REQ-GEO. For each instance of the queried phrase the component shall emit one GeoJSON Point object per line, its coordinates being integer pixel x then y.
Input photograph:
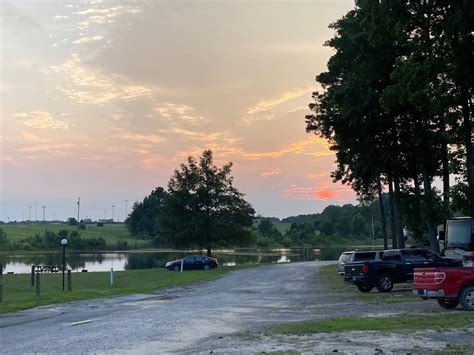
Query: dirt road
{"type": "Point", "coordinates": [222, 316]}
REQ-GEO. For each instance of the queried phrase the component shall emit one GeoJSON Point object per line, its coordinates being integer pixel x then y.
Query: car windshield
{"type": "Point", "coordinates": [459, 233]}
{"type": "Point", "coordinates": [364, 256]}
{"type": "Point", "coordinates": [345, 257]}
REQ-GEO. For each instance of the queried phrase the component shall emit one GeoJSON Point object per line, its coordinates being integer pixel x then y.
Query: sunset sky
{"type": "Point", "coordinates": [104, 99]}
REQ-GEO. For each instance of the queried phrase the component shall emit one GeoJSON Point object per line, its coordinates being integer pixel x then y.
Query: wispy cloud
{"type": "Point", "coordinates": [88, 39]}
{"type": "Point", "coordinates": [271, 173]}
{"type": "Point", "coordinates": [94, 86]}
{"type": "Point", "coordinates": [181, 112]}
{"type": "Point", "coordinates": [314, 146]}
{"type": "Point", "coordinates": [42, 119]}
{"type": "Point", "coordinates": [265, 105]}
{"type": "Point", "coordinates": [150, 138]}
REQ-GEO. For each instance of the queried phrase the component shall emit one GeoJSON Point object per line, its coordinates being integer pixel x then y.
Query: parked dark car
{"type": "Point", "coordinates": [357, 256]}
{"type": "Point", "coordinates": [396, 266]}
{"type": "Point", "coordinates": [192, 262]}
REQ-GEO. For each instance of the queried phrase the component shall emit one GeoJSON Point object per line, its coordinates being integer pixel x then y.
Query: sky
{"type": "Point", "coordinates": [103, 100]}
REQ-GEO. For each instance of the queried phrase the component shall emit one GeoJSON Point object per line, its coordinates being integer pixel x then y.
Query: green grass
{"type": "Point", "coordinates": [110, 232]}
{"type": "Point", "coordinates": [335, 283]}
{"type": "Point", "coordinates": [18, 293]}
{"type": "Point", "coordinates": [399, 323]}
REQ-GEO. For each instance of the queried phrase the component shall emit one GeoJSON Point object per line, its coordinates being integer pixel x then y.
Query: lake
{"type": "Point", "coordinates": [77, 262]}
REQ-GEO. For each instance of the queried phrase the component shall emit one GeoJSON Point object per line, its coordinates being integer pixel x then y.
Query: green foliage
{"type": "Point", "coordinates": [142, 221]}
{"type": "Point", "coordinates": [203, 209]}
{"type": "Point", "coordinates": [3, 237]}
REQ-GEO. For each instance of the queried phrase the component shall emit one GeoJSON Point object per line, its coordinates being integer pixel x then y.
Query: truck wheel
{"type": "Point", "coordinates": [364, 287]}
{"type": "Point", "coordinates": [466, 298]}
{"type": "Point", "coordinates": [176, 268]}
{"type": "Point", "coordinates": [448, 304]}
{"type": "Point", "coordinates": [384, 283]}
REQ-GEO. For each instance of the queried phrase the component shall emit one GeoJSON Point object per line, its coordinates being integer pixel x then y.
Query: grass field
{"type": "Point", "coordinates": [110, 232]}
{"type": "Point", "coordinates": [18, 293]}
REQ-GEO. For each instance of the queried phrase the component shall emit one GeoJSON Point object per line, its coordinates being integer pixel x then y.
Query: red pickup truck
{"type": "Point", "coordinates": [449, 286]}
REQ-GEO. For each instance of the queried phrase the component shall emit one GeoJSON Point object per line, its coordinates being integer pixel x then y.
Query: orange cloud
{"type": "Point", "coordinates": [340, 193]}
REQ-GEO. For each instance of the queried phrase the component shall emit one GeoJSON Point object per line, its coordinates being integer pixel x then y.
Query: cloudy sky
{"type": "Point", "coordinates": [104, 99]}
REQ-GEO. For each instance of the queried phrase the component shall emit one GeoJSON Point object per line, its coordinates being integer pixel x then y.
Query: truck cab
{"type": "Point", "coordinates": [456, 239]}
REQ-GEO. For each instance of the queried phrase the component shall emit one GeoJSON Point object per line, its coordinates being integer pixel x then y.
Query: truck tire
{"type": "Point", "coordinates": [364, 287]}
{"type": "Point", "coordinates": [448, 304]}
{"type": "Point", "coordinates": [384, 283]}
{"type": "Point", "coordinates": [466, 298]}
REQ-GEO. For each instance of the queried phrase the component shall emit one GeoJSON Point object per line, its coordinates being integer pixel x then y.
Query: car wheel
{"type": "Point", "coordinates": [176, 268]}
{"type": "Point", "coordinates": [384, 283]}
{"type": "Point", "coordinates": [448, 304]}
{"type": "Point", "coordinates": [206, 267]}
{"type": "Point", "coordinates": [364, 287]}
{"type": "Point", "coordinates": [466, 298]}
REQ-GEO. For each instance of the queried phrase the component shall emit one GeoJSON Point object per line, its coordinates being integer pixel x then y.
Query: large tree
{"type": "Point", "coordinates": [203, 209]}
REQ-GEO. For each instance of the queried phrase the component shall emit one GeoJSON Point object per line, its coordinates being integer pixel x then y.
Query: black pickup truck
{"type": "Point", "coordinates": [396, 266]}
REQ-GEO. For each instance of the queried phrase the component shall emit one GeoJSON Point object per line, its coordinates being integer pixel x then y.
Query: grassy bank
{"type": "Point", "coordinates": [112, 233]}
{"type": "Point", "coordinates": [400, 323]}
{"type": "Point", "coordinates": [18, 293]}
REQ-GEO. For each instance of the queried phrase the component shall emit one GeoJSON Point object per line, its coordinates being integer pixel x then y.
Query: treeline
{"type": "Point", "coordinates": [334, 225]}
{"type": "Point", "coordinates": [52, 240]}
{"type": "Point", "coordinates": [396, 107]}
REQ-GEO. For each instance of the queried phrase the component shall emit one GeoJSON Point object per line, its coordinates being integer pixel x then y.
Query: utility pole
{"type": "Point", "coordinates": [36, 215]}
{"type": "Point", "coordinates": [78, 208]}
{"type": "Point", "coordinates": [126, 210]}
{"type": "Point", "coordinates": [29, 214]}
{"type": "Point", "coordinates": [44, 208]}
{"type": "Point", "coordinates": [113, 212]}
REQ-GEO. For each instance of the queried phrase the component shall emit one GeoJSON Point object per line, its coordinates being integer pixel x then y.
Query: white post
{"type": "Point", "coordinates": [111, 276]}
{"type": "Point", "coordinates": [182, 264]}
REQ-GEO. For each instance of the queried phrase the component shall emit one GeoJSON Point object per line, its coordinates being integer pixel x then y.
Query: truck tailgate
{"type": "Point", "coordinates": [353, 269]}
{"type": "Point", "coordinates": [425, 278]}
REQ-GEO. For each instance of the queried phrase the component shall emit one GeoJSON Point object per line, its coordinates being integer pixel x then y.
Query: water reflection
{"type": "Point", "coordinates": [148, 260]}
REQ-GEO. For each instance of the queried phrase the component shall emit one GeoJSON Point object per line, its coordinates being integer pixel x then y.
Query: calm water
{"type": "Point", "coordinates": [148, 260]}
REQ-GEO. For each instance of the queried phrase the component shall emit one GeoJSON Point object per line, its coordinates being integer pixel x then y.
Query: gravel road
{"type": "Point", "coordinates": [221, 316]}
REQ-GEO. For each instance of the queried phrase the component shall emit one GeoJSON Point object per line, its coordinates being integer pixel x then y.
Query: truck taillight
{"type": "Point", "coordinates": [439, 277]}
{"type": "Point", "coordinates": [365, 268]}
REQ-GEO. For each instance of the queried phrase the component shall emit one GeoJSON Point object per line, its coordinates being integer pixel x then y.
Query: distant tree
{"type": "Point", "coordinates": [72, 221]}
{"type": "Point", "coordinates": [203, 209]}
{"type": "Point", "coordinates": [268, 230]}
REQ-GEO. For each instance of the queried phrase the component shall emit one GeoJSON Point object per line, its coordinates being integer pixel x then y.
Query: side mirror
{"type": "Point", "coordinates": [441, 235]}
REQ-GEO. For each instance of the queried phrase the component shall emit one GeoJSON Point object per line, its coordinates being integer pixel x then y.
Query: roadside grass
{"type": "Point", "coordinates": [112, 233]}
{"type": "Point", "coordinates": [399, 323]}
{"type": "Point", "coordinates": [335, 283]}
{"type": "Point", "coordinates": [18, 294]}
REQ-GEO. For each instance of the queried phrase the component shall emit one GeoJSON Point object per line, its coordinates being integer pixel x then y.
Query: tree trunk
{"type": "Point", "coordinates": [429, 200]}
{"type": "Point", "coordinates": [382, 214]}
{"type": "Point", "coordinates": [209, 254]}
{"type": "Point", "coordinates": [398, 223]}
{"type": "Point", "coordinates": [392, 214]}
{"type": "Point", "coordinates": [445, 162]}
{"type": "Point", "coordinates": [467, 129]}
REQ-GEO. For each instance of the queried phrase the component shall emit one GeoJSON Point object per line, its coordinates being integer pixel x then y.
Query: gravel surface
{"type": "Point", "coordinates": [221, 316]}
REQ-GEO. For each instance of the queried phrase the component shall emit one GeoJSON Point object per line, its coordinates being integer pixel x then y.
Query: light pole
{"type": "Point", "coordinates": [113, 206]}
{"type": "Point", "coordinates": [64, 243]}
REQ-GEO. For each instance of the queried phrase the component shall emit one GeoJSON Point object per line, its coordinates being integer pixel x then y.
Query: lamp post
{"type": "Point", "coordinates": [64, 243]}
